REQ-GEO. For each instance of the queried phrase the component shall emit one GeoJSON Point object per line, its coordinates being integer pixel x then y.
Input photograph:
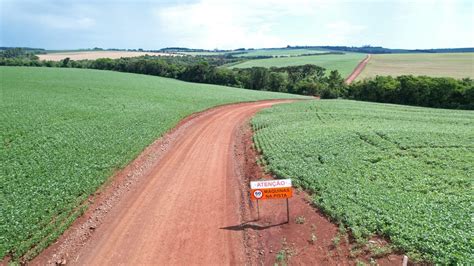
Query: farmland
{"type": "Point", "coordinates": [92, 55]}
{"type": "Point", "coordinates": [209, 53]}
{"type": "Point", "coordinates": [401, 172]}
{"type": "Point", "coordinates": [344, 63]}
{"type": "Point", "coordinates": [65, 131]}
{"type": "Point", "coordinates": [456, 65]}
{"type": "Point", "coordinates": [280, 52]}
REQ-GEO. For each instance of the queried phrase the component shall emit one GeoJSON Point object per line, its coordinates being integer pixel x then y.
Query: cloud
{"type": "Point", "coordinates": [63, 22]}
{"type": "Point", "coordinates": [223, 24]}
{"type": "Point", "coordinates": [227, 24]}
{"type": "Point", "coordinates": [342, 31]}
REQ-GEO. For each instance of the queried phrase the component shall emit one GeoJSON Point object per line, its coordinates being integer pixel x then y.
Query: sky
{"type": "Point", "coordinates": [231, 24]}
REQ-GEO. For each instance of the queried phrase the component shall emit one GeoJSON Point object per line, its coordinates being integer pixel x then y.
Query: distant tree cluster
{"type": "Point", "coordinates": [419, 91]}
{"type": "Point", "coordinates": [18, 54]}
{"type": "Point", "coordinates": [368, 49]}
{"type": "Point", "coordinates": [305, 79]}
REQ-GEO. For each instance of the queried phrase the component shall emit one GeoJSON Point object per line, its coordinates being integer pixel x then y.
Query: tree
{"type": "Point", "coordinates": [306, 87]}
{"type": "Point", "coordinates": [335, 85]}
{"type": "Point", "coordinates": [196, 73]}
{"type": "Point", "coordinates": [277, 82]}
{"type": "Point", "coordinates": [65, 62]}
{"type": "Point", "coordinates": [259, 77]}
{"type": "Point", "coordinates": [223, 76]}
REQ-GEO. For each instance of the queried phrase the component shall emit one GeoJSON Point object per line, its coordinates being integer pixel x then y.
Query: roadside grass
{"type": "Point", "coordinates": [300, 220]}
{"type": "Point", "coordinates": [65, 131]}
{"type": "Point", "coordinates": [283, 256]}
{"type": "Point", "coordinates": [456, 65]}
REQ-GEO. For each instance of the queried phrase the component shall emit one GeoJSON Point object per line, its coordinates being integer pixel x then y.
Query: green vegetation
{"type": "Point", "coordinates": [65, 131]}
{"type": "Point", "coordinates": [300, 220]}
{"type": "Point", "coordinates": [419, 91]}
{"type": "Point", "coordinates": [402, 172]}
{"type": "Point", "coordinates": [305, 79]}
{"type": "Point", "coordinates": [276, 52]}
{"type": "Point", "coordinates": [279, 52]}
{"type": "Point", "coordinates": [26, 54]}
{"type": "Point", "coordinates": [344, 63]}
{"type": "Point", "coordinates": [456, 65]}
{"type": "Point", "coordinates": [204, 53]}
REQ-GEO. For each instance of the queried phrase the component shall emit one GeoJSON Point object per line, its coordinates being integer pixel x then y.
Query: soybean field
{"type": "Point", "coordinates": [65, 131]}
{"type": "Point", "coordinates": [404, 173]}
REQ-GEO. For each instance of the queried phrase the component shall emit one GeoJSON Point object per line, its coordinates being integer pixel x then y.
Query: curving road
{"type": "Point", "coordinates": [175, 216]}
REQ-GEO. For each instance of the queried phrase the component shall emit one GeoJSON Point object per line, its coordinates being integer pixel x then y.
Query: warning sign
{"type": "Point", "coordinates": [257, 193]}
{"type": "Point", "coordinates": [271, 193]}
{"type": "Point", "coordinates": [271, 189]}
{"type": "Point", "coordinates": [270, 183]}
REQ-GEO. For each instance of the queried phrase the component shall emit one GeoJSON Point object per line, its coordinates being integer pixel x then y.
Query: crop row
{"type": "Point", "coordinates": [404, 173]}
{"type": "Point", "coordinates": [65, 131]}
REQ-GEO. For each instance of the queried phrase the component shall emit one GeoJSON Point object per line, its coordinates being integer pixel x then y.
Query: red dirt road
{"type": "Point", "coordinates": [184, 201]}
{"type": "Point", "coordinates": [358, 70]}
{"type": "Point", "coordinates": [177, 214]}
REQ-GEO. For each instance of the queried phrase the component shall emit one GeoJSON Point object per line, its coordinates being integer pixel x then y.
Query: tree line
{"type": "Point", "coordinates": [305, 79]}
{"type": "Point", "coordinates": [419, 91]}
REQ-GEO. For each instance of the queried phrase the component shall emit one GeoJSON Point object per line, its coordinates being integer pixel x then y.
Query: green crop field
{"type": "Point", "coordinates": [280, 52]}
{"type": "Point", "coordinates": [344, 63]}
{"type": "Point", "coordinates": [203, 53]}
{"type": "Point", "coordinates": [456, 65]}
{"type": "Point", "coordinates": [263, 52]}
{"type": "Point", "coordinates": [65, 131]}
{"type": "Point", "coordinates": [405, 173]}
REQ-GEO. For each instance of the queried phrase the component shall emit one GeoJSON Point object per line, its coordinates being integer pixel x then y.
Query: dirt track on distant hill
{"type": "Point", "coordinates": [357, 70]}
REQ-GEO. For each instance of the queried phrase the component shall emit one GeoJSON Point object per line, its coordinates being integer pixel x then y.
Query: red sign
{"type": "Point", "coordinates": [271, 189]}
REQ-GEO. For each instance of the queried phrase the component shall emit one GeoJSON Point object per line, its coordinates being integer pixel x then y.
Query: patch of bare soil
{"type": "Point", "coordinates": [92, 55]}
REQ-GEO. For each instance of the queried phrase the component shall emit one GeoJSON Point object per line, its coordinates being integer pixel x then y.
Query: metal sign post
{"type": "Point", "coordinates": [258, 212]}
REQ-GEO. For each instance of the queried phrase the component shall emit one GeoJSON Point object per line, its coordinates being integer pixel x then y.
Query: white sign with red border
{"type": "Point", "coordinates": [278, 183]}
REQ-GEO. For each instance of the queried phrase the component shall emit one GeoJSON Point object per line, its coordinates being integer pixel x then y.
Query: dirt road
{"type": "Point", "coordinates": [358, 70]}
{"type": "Point", "coordinates": [176, 216]}
{"type": "Point", "coordinates": [184, 201]}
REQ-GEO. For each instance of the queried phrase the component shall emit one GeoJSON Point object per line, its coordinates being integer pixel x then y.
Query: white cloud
{"type": "Point", "coordinates": [63, 22]}
{"type": "Point", "coordinates": [342, 31]}
{"type": "Point", "coordinates": [232, 24]}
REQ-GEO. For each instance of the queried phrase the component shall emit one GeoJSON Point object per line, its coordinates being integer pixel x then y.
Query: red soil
{"type": "Point", "coordinates": [185, 200]}
{"type": "Point", "coordinates": [358, 70]}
